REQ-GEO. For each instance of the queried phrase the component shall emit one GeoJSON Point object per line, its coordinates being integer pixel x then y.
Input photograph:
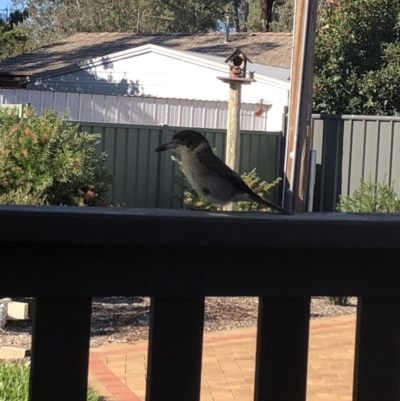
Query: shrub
{"type": "Point", "coordinates": [46, 160]}
{"type": "Point", "coordinates": [14, 382]}
{"type": "Point", "coordinates": [371, 198]}
{"type": "Point", "coordinates": [343, 301]}
{"type": "Point", "coordinates": [197, 202]}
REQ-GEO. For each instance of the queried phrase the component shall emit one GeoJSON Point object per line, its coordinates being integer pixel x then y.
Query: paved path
{"type": "Point", "coordinates": [117, 372]}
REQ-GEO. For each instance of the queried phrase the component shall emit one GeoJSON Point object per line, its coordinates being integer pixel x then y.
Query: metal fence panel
{"type": "Point", "coordinates": [143, 178]}
{"type": "Point", "coordinates": [350, 148]}
{"type": "Point", "coordinates": [138, 110]}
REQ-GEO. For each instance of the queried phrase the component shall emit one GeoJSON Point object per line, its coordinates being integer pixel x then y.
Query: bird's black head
{"type": "Point", "coordinates": [187, 138]}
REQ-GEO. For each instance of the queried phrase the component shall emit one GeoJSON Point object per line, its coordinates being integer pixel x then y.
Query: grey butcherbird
{"type": "Point", "coordinates": [209, 175]}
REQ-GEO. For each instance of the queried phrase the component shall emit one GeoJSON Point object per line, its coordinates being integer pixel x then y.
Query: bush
{"type": "Point", "coordinates": [14, 382]}
{"type": "Point", "coordinates": [197, 202]}
{"type": "Point", "coordinates": [371, 198]}
{"type": "Point", "coordinates": [46, 160]}
{"type": "Point", "coordinates": [342, 301]}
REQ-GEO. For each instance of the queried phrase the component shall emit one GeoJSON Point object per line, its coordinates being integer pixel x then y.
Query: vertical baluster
{"type": "Point", "coordinates": [377, 357]}
{"type": "Point", "coordinates": [282, 349]}
{"type": "Point", "coordinates": [60, 349]}
{"type": "Point", "coordinates": [175, 349]}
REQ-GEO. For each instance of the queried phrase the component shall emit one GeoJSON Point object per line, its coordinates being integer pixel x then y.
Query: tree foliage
{"type": "Point", "coordinates": [357, 63]}
{"type": "Point", "coordinates": [51, 19]}
{"type": "Point", "coordinates": [14, 37]}
{"type": "Point", "coordinates": [46, 160]}
{"type": "Point", "coordinates": [283, 16]}
{"type": "Point", "coordinates": [262, 15]}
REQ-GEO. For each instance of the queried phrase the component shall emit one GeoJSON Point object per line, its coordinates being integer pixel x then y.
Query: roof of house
{"type": "Point", "coordinates": [271, 48]}
{"type": "Point", "coordinates": [279, 73]}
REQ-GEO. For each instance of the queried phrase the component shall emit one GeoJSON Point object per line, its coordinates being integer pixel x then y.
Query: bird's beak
{"type": "Point", "coordinates": [167, 146]}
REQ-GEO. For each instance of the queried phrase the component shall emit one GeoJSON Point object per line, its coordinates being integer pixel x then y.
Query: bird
{"type": "Point", "coordinates": [208, 174]}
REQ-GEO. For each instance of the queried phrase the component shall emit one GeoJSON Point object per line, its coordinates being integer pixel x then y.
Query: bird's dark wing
{"type": "Point", "coordinates": [216, 166]}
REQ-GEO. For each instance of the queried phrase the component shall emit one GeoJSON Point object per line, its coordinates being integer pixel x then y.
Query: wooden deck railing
{"type": "Point", "coordinates": [65, 256]}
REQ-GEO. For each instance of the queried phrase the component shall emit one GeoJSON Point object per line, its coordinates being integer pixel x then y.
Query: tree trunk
{"type": "Point", "coordinates": [245, 13]}
{"type": "Point", "coordinates": [236, 15]}
{"type": "Point", "coordinates": [266, 14]}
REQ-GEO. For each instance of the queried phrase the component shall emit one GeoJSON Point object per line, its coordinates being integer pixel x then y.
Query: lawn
{"type": "Point", "coordinates": [14, 382]}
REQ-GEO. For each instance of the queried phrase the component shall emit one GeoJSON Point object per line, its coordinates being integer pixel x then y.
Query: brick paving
{"type": "Point", "coordinates": [117, 372]}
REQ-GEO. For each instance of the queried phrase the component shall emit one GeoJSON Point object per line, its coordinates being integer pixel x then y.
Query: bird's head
{"type": "Point", "coordinates": [186, 140]}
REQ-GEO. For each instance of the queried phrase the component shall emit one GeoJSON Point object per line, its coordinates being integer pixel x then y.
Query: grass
{"type": "Point", "coordinates": [14, 382]}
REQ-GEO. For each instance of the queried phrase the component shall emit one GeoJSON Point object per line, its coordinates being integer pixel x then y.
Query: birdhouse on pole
{"type": "Point", "coordinates": [238, 68]}
{"type": "Point", "coordinates": [237, 64]}
{"type": "Point", "coordinates": [238, 76]}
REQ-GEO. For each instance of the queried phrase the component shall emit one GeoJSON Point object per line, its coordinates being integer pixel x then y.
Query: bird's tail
{"type": "Point", "coordinates": [271, 205]}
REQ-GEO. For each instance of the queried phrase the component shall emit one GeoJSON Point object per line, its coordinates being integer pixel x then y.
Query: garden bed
{"type": "Point", "coordinates": [125, 319]}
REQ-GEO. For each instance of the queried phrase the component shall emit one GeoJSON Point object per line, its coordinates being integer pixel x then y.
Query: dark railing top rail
{"type": "Point", "coordinates": [179, 228]}
{"type": "Point", "coordinates": [55, 251]}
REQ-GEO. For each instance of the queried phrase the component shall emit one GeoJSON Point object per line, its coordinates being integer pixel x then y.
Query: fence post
{"type": "Point", "coordinates": [161, 139]}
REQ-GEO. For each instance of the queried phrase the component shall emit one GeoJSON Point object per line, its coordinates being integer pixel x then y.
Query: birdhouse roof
{"type": "Point", "coordinates": [237, 52]}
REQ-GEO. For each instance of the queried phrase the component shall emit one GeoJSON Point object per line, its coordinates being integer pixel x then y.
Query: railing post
{"type": "Point", "coordinates": [282, 349]}
{"type": "Point", "coordinates": [60, 349]}
{"type": "Point", "coordinates": [175, 349]}
{"type": "Point", "coordinates": [377, 357]}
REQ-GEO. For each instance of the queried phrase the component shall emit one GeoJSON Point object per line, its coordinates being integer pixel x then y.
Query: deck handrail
{"type": "Point", "coordinates": [64, 256]}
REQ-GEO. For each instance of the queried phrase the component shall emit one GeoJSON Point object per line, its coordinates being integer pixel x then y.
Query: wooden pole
{"type": "Point", "coordinates": [233, 131]}
{"type": "Point", "coordinates": [233, 127]}
{"type": "Point", "coordinates": [300, 105]}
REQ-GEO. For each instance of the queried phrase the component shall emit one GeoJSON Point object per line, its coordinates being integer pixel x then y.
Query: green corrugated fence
{"type": "Point", "coordinates": [350, 148]}
{"type": "Point", "coordinates": [143, 178]}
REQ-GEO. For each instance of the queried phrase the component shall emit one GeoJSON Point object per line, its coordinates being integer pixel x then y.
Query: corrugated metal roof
{"type": "Point", "coordinates": [270, 48]}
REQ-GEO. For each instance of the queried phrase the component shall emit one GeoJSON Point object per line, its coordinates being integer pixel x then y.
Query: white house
{"type": "Point", "coordinates": [159, 76]}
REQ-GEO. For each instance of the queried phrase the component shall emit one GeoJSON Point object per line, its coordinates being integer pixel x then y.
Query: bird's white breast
{"type": "Point", "coordinates": [190, 168]}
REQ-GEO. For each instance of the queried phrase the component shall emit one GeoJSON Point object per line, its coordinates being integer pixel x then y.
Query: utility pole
{"type": "Point", "coordinates": [237, 77]}
{"type": "Point", "coordinates": [300, 106]}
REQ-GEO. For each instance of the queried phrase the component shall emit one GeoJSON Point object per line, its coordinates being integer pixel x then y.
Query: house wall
{"type": "Point", "coordinates": [142, 110]}
{"type": "Point", "coordinates": [165, 76]}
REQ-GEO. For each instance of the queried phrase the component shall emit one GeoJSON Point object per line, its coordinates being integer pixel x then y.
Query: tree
{"type": "Point", "coordinates": [14, 37]}
{"type": "Point", "coordinates": [357, 60]}
{"type": "Point", "coordinates": [282, 16]}
{"type": "Point", "coordinates": [262, 15]}
{"type": "Point", "coordinates": [52, 19]}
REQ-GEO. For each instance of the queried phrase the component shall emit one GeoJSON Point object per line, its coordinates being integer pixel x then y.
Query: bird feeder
{"type": "Point", "coordinates": [237, 68]}
{"type": "Point", "coordinates": [237, 77]}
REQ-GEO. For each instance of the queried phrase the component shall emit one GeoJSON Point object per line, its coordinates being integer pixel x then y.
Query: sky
{"type": "Point", "coordinates": [4, 3]}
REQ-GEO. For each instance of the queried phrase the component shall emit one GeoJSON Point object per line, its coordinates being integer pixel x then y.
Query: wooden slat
{"type": "Point", "coordinates": [175, 349]}
{"type": "Point", "coordinates": [60, 349]}
{"type": "Point", "coordinates": [377, 359]}
{"type": "Point", "coordinates": [282, 349]}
